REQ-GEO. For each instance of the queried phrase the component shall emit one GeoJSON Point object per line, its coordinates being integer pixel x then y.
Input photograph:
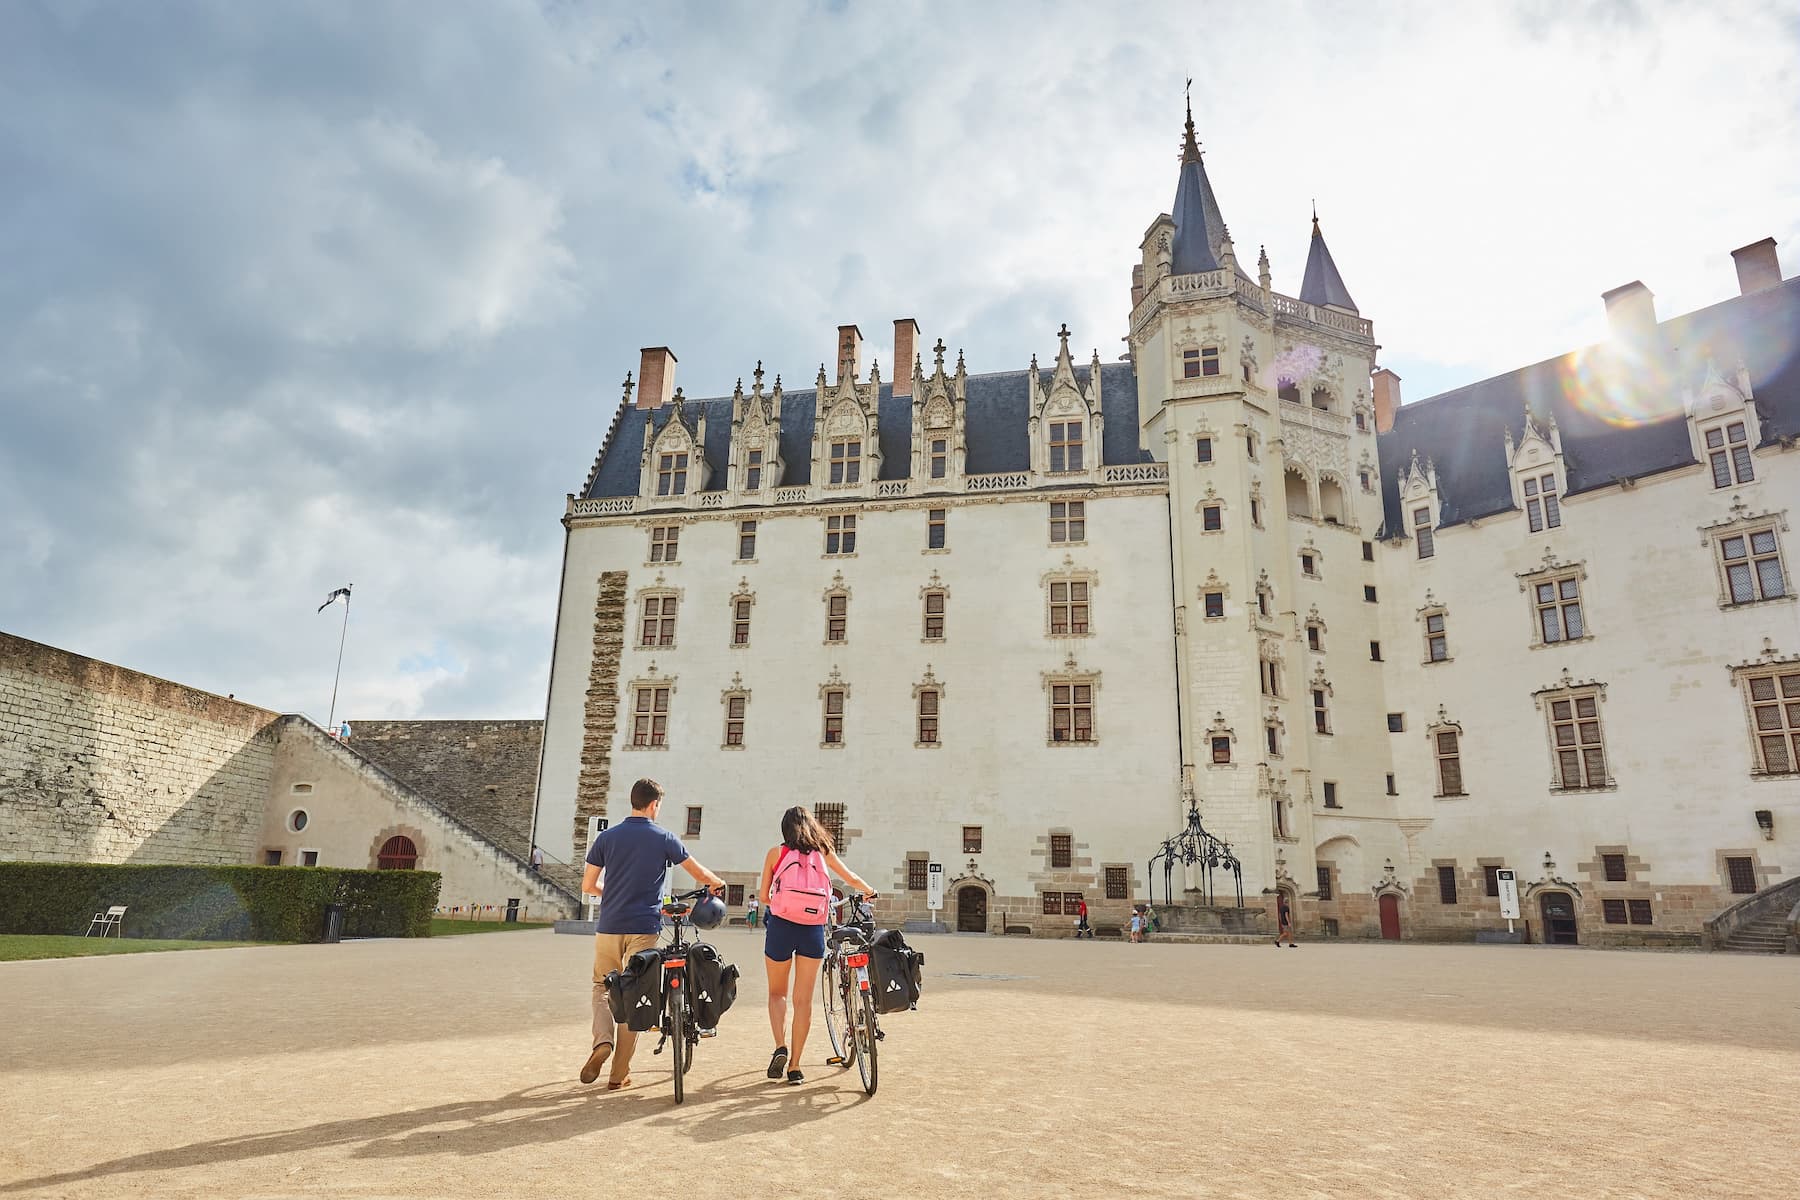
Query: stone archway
{"type": "Point", "coordinates": [971, 908]}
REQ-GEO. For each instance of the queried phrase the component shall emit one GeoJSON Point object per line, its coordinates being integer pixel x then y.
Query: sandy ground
{"type": "Point", "coordinates": [447, 1068]}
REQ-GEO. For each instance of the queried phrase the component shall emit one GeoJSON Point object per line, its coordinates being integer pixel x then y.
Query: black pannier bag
{"type": "Point", "coordinates": [896, 972]}
{"type": "Point", "coordinates": [635, 991]}
{"type": "Point", "coordinates": [712, 984]}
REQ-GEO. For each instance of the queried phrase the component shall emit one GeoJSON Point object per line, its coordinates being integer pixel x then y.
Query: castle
{"type": "Point", "coordinates": [1027, 625]}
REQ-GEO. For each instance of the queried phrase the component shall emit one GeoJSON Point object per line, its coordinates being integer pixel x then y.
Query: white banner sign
{"type": "Point", "coordinates": [1509, 893]}
{"type": "Point", "coordinates": [934, 886]}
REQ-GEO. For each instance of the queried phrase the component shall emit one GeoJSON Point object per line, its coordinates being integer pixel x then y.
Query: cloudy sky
{"type": "Point", "coordinates": [293, 295]}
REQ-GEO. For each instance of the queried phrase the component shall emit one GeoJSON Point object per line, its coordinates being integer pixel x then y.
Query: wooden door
{"type": "Point", "coordinates": [971, 910]}
{"type": "Point", "coordinates": [1559, 919]}
{"type": "Point", "coordinates": [1390, 918]}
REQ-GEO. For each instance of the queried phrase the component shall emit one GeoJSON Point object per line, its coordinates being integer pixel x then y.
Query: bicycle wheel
{"type": "Point", "coordinates": [678, 1036]}
{"type": "Point", "coordinates": [866, 1029]}
{"type": "Point", "coordinates": [836, 1019]}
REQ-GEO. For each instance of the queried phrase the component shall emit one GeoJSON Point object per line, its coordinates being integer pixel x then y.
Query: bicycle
{"type": "Point", "coordinates": [850, 1020]}
{"type": "Point", "coordinates": [678, 1021]}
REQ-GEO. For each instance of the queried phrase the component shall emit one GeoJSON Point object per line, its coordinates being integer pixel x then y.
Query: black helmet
{"type": "Point", "coordinates": [708, 913]}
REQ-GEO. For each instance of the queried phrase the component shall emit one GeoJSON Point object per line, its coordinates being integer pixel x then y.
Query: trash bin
{"type": "Point", "coordinates": [512, 910]}
{"type": "Point", "coordinates": [334, 922]}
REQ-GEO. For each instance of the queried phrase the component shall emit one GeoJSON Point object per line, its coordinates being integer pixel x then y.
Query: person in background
{"type": "Point", "coordinates": [750, 912]}
{"type": "Point", "coordinates": [1081, 920]}
{"type": "Point", "coordinates": [1284, 922]}
{"type": "Point", "coordinates": [1150, 920]}
{"type": "Point", "coordinates": [537, 859]}
{"type": "Point", "coordinates": [344, 731]}
{"type": "Point", "coordinates": [1137, 925]}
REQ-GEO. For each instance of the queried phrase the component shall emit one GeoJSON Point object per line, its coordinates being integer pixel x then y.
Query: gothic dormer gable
{"type": "Point", "coordinates": [1066, 418]}
{"type": "Point", "coordinates": [674, 461]}
{"type": "Point", "coordinates": [939, 410]}
{"type": "Point", "coordinates": [1538, 473]}
{"type": "Point", "coordinates": [846, 448]}
{"type": "Point", "coordinates": [1723, 425]}
{"type": "Point", "coordinates": [756, 465]}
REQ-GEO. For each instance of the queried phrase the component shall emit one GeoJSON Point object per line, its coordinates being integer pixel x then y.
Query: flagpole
{"type": "Point", "coordinates": [331, 719]}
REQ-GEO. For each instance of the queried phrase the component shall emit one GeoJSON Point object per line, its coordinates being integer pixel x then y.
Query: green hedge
{"type": "Point", "coordinates": [262, 904]}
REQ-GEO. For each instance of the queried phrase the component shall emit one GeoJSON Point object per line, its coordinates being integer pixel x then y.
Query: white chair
{"type": "Point", "coordinates": [112, 920]}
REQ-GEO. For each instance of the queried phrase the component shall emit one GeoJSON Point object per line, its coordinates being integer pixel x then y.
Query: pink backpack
{"type": "Point", "coordinates": [800, 891]}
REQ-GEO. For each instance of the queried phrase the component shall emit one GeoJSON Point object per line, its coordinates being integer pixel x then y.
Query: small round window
{"type": "Point", "coordinates": [297, 820]}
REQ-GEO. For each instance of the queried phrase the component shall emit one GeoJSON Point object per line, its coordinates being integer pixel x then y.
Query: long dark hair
{"type": "Point", "coordinates": [800, 830]}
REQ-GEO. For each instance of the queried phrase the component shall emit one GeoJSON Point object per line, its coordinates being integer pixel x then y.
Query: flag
{"type": "Point", "coordinates": [332, 599]}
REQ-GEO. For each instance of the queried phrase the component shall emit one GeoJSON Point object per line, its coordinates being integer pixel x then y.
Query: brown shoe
{"type": "Point", "coordinates": [619, 1083]}
{"type": "Point", "coordinates": [590, 1070]}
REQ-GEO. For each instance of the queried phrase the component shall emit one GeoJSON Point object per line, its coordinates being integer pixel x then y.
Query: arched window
{"type": "Point", "coordinates": [397, 854]}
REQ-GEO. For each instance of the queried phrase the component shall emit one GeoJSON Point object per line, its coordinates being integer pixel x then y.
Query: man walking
{"type": "Point", "coordinates": [626, 867]}
{"type": "Point", "coordinates": [537, 859]}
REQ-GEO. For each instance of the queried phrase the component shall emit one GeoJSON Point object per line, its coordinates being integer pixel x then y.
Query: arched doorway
{"type": "Point", "coordinates": [1558, 909]}
{"type": "Point", "coordinates": [397, 854]}
{"type": "Point", "coordinates": [971, 909]}
{"type": "Point", "coordinates": [1390, 917]}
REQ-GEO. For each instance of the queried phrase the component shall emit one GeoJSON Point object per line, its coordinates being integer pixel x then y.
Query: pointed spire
{"type": "Point", "coordinates": [1190, 149]}
{"type": "Point", "coordinates": [1199, 227]}
{"type": "Point", "coordinates": [1322, 284]}
{"type": "Point", "coordinates": [628, 388]}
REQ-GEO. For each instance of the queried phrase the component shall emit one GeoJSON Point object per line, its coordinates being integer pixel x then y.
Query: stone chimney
{"type": "Point", "coordinates": [849, 352]}
{"type": "Point", "coordinates": [656, 376]}
{"type": "Point", "coordinates": [1387, 398]}
{"type": "Point", "coordinates": [906, 336]}
{"type": "Point", "coordinates": [1631, 311]}
{"type": "Point", "coordinates": [1758, 266]}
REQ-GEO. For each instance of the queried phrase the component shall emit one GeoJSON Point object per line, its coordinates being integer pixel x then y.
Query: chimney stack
{"type": "Point", "coordinates": [656, 376]}
{"type": "Point", "coordinates": [906, 336]}
{"type": "Point", "coordinates": [849, 355]}
{"type": "Point", "coordinates": [1631, 311]}
{"type": "Point", "coordinates": [1387, 398]}
{"type": "Point", "coordinates": [1758, 266]}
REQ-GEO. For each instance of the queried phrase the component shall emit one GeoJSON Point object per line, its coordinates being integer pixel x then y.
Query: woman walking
{"type": "Point", "coordinates": [798, 894]}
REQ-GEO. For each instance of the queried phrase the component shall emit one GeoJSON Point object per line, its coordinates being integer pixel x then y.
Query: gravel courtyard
{"type": "Point", "coordinates": [447, 1068]}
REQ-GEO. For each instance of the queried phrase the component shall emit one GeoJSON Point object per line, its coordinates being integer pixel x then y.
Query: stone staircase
{"type": "Point", "coordinates": [1767, 936]}
{"type": "Point", "coordinates": [1766, 923]}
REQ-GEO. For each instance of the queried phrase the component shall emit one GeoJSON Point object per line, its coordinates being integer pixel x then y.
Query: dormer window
{"type": "Point", "coordinates": [1541, 508]}
{"type": "Point", "coordinates": [1728, 453]}
{"type": "Point", "coordinates": [1065, 446]}
{"type": "Point", "coordinates": [671, 475]}
{"type": "Point", "coordinates": [846, 461]}
{"type": "Point", "coordinates": [1422, 533]}
{"type": "Point", "coordinates": [940, 457]}
{"type": "Point", "coordinates": [753, 472]}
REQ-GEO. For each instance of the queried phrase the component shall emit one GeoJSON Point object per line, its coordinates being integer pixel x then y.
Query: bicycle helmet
{"type": "Point", "coordinates": [708, 913]}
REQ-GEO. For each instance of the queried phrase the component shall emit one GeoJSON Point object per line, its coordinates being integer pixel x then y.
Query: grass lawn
{"type": "Point", "coordinates": [444, 926]}
{"type": "Point", "coordinates": [17, 946]}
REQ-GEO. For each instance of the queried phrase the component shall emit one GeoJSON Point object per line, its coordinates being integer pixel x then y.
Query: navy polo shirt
{"type": "Point", "coordinates": [636, 855]}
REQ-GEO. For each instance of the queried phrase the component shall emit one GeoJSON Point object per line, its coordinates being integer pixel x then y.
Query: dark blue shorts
{"type": "Point", "coordinates": [785, 939]}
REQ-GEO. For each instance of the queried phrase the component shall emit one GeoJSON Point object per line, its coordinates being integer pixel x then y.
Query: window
{"type": "Point", "coordinates": [846, 461]}
{"type": "Point", "coordinates": [1068, 606]}
{"type": "Point", "coordinates": [840, 535]}
{"type": "Point", "coordinates": [1256, 512]}
{"type": "Point", "coordinates": [1775, 713]}
{"type": "Point", "coordinates": [971, 839]}
{"type": "Point", "coordinates": [397, 854]}
{"type": "Point", "coordinates": [1313, 639]}
{"type": "Point", "coordinates": [1446, 885]}
{"type": "Point", "coordinates": [746, 539]}
{"type": "Point", "coordinates": [1221, 749]}
{"type": "Point", "coordinates": [272, 858]}
{"type": "Point", "coordinates": [1331, 799]}
{"type": "Point", "coordinates": [934, 616]}
{"type": "Point", "coordinates": [1640, 912]}
{"type": "Point", "coordinates": [1272, 736]}
{"type": "Point", "coordinates": [1211, 518]}
{"type": "Point", "coordinates": [735, 707]}
{"type": "Point", "coordinates": [693, 820]}
{"type": "Point", "coordinates": [659, 621]}
{"type": "Point", "coordinates": [1613, 911]}
{"type": "Point", "coordinates": [1437, 642]}
{"type": "Point", "coordinates": [671, 475]}
{"type": "Point", "coordinates": [1250, 445]}
{"type": "Point", "coordinates": [834, 718]}
{"type": "Point", "coordinates": [1068, 521]}
{"type": "Point", "coordinates": [740, 621]}
{"type": "Point", "coordinates": [1268, 676]}
{"type": "Point", "coordinates": [940, 458]}
{"type": "Point", "coordinates": [1065, 446]}
{"type": "Point", "coordinates": [1368, 551]}
{"type": "Point", "coordinates": [753, 472]}
{"type": "Point", "coordinates": [928, 717]}
{"type": "Point", "coordinates": [1446, 746]}
{"type": "Point", "coordinates": [918, 870]}
{"type": "Point", "coordinates": [1490, 873]}
{"type": "Point", "coordinates": [1366, 478]}
{"type": "Point", "coordinates": [1362, 422]}
{"type": "Point", "coordinates": [1279, 815]}
{"type": "Point", "coordinates": [1541, 508]}
{"type": "Point", "coordinates": [1309, 564]}
{"type": "Point", "coordinates": [1287, 389]}
{"type": "Point", "coordinates": [1215, 604]}
{"type": "Point", "coordinates": [1072, 712]}
{"type": "Point", "coordinates": [1203, 449]}
{"type": "Point", "coordinates": [1374, 651]}
{"type": "Point", "coordinates": [1396, 722]}
{"type": "Point", "coordinates": [1369, 592]}
{"type": "Point", "coordinates": [1324, 876]}
{"type": "Point", "coordinates": [1618, 912]}
{"type": "Point", "coordinates": [1422, 533]}
{"type": "Point", "coordinates": [1321, 715]}
{"type": "Point", "coordinates": [1728, 452]}
{"type": "Point", "coordinates": [1190, 364]}
{"type": "Point", "coordinates": [650, 721]}
{"type": "Point", "coordinates": [1262, 601]}
{"type": "Point", "coordinates": [1575, 733]}
{"type": "Point", "coordinates": [831, 816]}
{"type": "Point", "coordinates": [309, 858]}
{"type": "Point", "coordinates": [1118, 886]}
{"type": "Point", "coordinates": [1391, 789]}
{"type": "Point", "coordinates": [1062, 853]}
{"type": "Point", "coordinates": [934, 528]}
{"type": "Point", "coordinates": [663, 541]}
{"type": "Point", "coordinates": [1053, 904]}
{"type": "Point", "coordinates": [1558, 605]}
{"type": "Point", "coordinates": [297, 820]}
{"type": "Point", "coordinates": [1752, 565]}
{"type": "Point", "coordinates": [1209, 360]}
{"type": "Point", "coordinates": [837, 617]}
{"type": "Point", "coordinates": [1614, 867]}
{"type": "Point", "coordinates": [734, 895]}
{"type": "Point", "coordinates": [1742, 872]}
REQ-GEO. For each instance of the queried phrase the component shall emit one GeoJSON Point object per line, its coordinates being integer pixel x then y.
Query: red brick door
{"type": "Point", "coordinates": [1390, 918]}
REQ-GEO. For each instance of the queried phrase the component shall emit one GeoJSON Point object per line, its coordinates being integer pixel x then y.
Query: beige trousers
{"type": "Point", "coordinates": [611, 950]}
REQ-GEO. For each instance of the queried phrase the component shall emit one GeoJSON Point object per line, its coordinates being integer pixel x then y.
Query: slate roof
{"type": "Point", "coordinates": [1199, 226]}
{"type": "Point", "coordinates": [1322, 284]}
{"type": "Point", "coordinates": [1463, 430]}
{"type": "Point", "coordinates": [996, 426]}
